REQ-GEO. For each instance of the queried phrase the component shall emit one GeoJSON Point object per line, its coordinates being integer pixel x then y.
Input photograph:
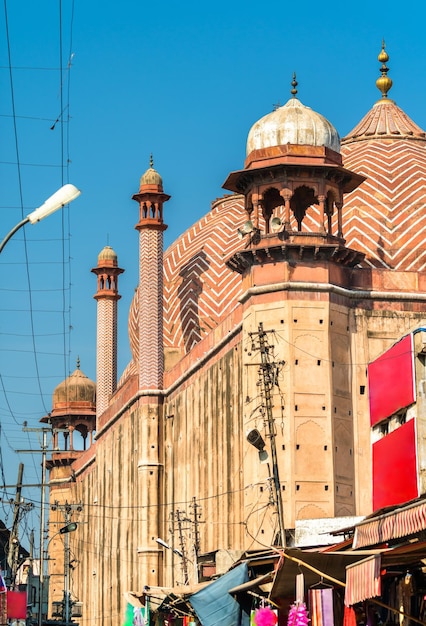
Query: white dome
{"type": "Point", "coordinates": [293, 123]}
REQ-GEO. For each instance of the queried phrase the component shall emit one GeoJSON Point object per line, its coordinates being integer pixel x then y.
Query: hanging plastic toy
{"type": "Point", "coordinates": [265, 617]}
{"type": "Point", "coordinates": [298, 615]}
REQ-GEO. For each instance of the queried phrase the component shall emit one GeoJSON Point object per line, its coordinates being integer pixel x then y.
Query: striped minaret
{"type": "Point", "coordinates": [151, 227]}
{"type": "Point", "coordinates": [107, 297]}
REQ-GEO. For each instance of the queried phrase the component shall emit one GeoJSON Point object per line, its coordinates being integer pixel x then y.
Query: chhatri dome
{"type": "Point", "coordinates": [73, 411]}
{"type": "Point", "coordinates": [293, 123]}
{"type": "Point", "coordinates": [77, 390]}
{"type": "Point", "coordinates": [107, 254]}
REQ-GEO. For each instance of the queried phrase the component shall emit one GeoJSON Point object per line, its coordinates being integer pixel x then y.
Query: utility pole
{"type": "Point", "coordinates": [269, 378]}
{"type": "Point", "coordinates": [182, 546]}
{"type": "Point", "coordinates": [13, 551]}
{"type": "Point", "coordinates": [196, 516]}
{"type": "Point", "coordinates": [19, 508]}
{"type": "Point", "coordinates": [45, 431]}
{"type": "Point", "coordinates": [67, 511]}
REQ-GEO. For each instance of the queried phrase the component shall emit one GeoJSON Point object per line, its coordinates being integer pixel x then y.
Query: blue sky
{"type": "Point", "coordinates": [184, 81]}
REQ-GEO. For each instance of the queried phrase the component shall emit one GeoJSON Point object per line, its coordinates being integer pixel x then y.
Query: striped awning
{"type": "Point", "coordinates": [363, 580]}
{"type": "Point", "coordinates": [400, 522]}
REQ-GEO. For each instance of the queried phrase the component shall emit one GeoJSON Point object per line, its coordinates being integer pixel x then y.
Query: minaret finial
{"type": "Point", "coordinates": [294, 84]}
{"type": "Point", "coordinates": [151, 161]}
{"type": "Point", "coordinates": [384, 83]}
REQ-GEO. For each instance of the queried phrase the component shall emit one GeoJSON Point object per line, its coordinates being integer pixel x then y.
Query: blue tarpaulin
{"type": "Point", "coordinates": [213, 604]}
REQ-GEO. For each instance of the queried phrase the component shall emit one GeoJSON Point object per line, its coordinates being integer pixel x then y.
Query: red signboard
{"type": "Point", "coordinates": [391, 380]}
{"type": "Point", "coordinates": [17, 604]}
{"type": "Point", "coordinates": [395, 467]}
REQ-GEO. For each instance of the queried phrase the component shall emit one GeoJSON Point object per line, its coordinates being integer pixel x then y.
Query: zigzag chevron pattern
{"type": "Point", "coordinates": [199, 289]}
{"type": "Point", "coordinates": [151, 365]}
{"type": "Point", "coordinates": [107, 337]}
{"type": "Point", "coordinates": [386, 215]}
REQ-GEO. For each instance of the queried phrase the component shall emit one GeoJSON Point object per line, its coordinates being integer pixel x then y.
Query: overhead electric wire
{"type": "Point", "coordinates": [68, 160]}
{"type": "Point", "coordinates": [65, 307]}
{"type": "Point", "coordinates": [32, 68]}
{"type": "Point", "coordinates": [61, 127]}
{"type": "Point", "coordinates": [16, 142]}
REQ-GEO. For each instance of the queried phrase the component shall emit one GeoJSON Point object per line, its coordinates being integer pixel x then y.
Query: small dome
{"type": "Point", "coordinates": [293, 123]}
{"type": "Point", "coordinates": [151, 176]}
{"type": "Point", "coordinates": [107, 254]}
{"type": "Point", "coordinates": [76, 388]}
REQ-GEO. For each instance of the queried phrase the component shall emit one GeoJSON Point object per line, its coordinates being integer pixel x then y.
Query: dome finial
{"type": "Point", "coordinates": [294, 84]}
{"type": "Point", "coordinates": [78, 362]}
{"type": "Point", "coordinates": [151, 160]}
{"type": "Point", "coordinates": [384, 83]}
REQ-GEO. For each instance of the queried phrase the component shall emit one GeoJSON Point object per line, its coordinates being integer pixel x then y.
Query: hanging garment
{"type": "Point", "coordinates": [321, 606]}
{"type": "Point", "coordinates": [349, 618]}
{"type": "Point", "coordinates": [300, 588]}
{"type": "Point", "coordinates": [136, 616]}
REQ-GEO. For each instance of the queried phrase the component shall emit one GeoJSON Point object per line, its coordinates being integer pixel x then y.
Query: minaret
{"type": "Point", "coordinates": [107, 297]}
{"type": "Point", "coordinates": [150, 367]}
{"type": "Point", "coordinates": [151, 227]}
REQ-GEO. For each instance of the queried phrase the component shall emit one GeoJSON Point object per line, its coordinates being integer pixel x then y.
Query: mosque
{"type": "Point", "coordinates": [243, 415]}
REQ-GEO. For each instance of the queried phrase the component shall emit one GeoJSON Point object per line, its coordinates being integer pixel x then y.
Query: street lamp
{"type": "Point", "coordinates": [182, 555]}
{"type": "Point", "coordinates": [162, 543]}
{"type": "Point", "coordinates": [64, 195]}
{"type": "Point", "coordinates": [69, 528]}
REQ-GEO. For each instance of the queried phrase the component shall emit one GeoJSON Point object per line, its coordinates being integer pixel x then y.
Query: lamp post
{"type": "Point", "coordinates": [66, 194]}
{"type": "Point", "coordinates": [63, 196]}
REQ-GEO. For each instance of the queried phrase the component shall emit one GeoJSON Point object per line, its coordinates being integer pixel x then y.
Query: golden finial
{"type": "Point", "coordinates": [151, 161]}
{"type": "Point", "coordinates": [294, 84]}
{"type": "Point", "coordinates": [384, 83]}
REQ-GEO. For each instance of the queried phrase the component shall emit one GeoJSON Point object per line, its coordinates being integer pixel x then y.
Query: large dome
{"type": "Point", "coordinates": [292, 123]}
{"type": "Point", "coordinates": [386, 215]}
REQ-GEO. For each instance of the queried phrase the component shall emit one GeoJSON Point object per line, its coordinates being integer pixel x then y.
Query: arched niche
{"type": "Point", "coordinates": [303, 197]}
